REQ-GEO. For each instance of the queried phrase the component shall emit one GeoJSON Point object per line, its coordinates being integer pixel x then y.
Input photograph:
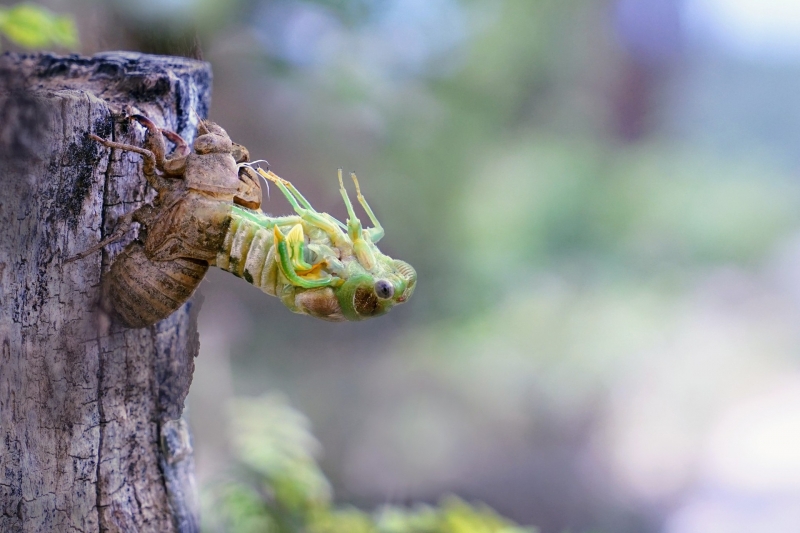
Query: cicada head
{"type": "Point", "coordinates": [373, 293]}
{"type": "Point", "coordinates": [333, 270]}
{"type": "Point", "coordinates": [357, 293]}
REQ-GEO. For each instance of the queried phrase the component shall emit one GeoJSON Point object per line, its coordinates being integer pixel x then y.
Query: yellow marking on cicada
{"type": "Point", "coordinates": [295, 242]}
{"type": "Point", "coordinates": [315, 272]}
{"type": "Point", "coordinates": [287, 265]}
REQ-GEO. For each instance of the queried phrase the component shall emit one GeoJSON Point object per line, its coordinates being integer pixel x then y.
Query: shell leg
{"type": "Point", "coordinates": [155, 141]}
{"type": "Point", "coordinates": [149, 168]}
{"type": "Point", "coordinates": [123, 225]}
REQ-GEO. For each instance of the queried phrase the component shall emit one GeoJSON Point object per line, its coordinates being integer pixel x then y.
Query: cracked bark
{"type": "Point", "coordinates": [91, 434]}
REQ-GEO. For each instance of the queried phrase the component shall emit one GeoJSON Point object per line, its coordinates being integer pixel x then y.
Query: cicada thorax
{"type": "Point", "coordinates": [193, 226]}
{"type": "Point", "coordinates": [212, 172]}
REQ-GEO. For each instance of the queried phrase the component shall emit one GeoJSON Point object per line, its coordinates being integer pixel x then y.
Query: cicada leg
{"type": "Point", "coordinates": [154, 142]}
{"type": "Point", "coordinates": [303, 208]}
{"type": "Point", "coordinates": [123, 225]}
{"type": "Point", "coordinates": [147, 155]}
{"type": "Point", "coordinates": [181, 146]}
{"type": "Point", "coordinates": [375, 233]}
{"type": "Point", "coordinates": [361, 248]}
{"type": "Point", "coordinates": [289, 250]}
{"type": "Point", "coordinates": [174, 166]}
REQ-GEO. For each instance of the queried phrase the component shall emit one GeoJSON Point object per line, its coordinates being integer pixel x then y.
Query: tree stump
{"type": "Point", "coordinates": [91, 435]}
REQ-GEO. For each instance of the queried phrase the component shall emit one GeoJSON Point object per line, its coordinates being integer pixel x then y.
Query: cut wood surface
{"type": "Point", "coordinates": [91, 434]}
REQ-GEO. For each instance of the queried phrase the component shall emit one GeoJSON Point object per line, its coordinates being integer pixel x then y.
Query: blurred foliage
{"type": "Point", "coordinates": [563, 266]}
{"type": "Point", "coordinates": [553, 255]}
{"type": "Point", "coordinates": [281, 489]}
{"type": "Point", "coordinates": [494, 163]}
{"type": "Point", "coordinates": [499, 157]}
{"type": "Point", "coordinates": [32, 26]}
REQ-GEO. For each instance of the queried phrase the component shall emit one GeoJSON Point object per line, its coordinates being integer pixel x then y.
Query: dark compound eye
{"type": "Point", "coordinates": [383, 289]}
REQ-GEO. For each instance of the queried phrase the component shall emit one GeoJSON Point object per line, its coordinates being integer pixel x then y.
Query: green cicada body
{"type": "Point", "coordinates": [206, 214]}
{"type": "Point", "coordinates": [311, 264]}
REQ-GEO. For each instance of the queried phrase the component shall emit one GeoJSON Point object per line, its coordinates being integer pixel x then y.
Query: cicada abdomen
{"type": "Point", "coordinates": [142, 291]}
{"type": "Point", "coordinates": [247, 252]}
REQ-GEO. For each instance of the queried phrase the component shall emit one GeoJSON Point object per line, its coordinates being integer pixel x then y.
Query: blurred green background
{"type": "Point", "coordinates": [602, 201]}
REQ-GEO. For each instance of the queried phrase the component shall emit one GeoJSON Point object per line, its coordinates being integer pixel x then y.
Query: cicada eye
{"type": "Point", "coordinates": [383, 289]}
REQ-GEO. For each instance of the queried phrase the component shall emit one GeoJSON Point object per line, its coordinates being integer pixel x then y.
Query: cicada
{"type": "Point", "coordinates": [206, 213]}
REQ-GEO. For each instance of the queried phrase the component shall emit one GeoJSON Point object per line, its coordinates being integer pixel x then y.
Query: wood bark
{"type": "Point", "coordinates": [91, 434]}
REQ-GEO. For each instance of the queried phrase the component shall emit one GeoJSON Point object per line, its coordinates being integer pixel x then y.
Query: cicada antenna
{"type": "Point", "coordinates": [202, 128]}
{"type": "Point", "coordinates": [256, 162]}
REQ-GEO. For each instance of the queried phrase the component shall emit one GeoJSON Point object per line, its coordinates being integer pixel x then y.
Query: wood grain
{"type": "Point", "coordinates": [91, 435]}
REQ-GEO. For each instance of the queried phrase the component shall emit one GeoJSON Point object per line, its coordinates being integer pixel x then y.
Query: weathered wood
{"type": "Point", "coordinates": [91, 435]}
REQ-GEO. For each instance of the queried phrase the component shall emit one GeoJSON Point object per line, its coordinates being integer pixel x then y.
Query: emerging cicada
{"type": "Point", "coordinates": [206, 214]}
